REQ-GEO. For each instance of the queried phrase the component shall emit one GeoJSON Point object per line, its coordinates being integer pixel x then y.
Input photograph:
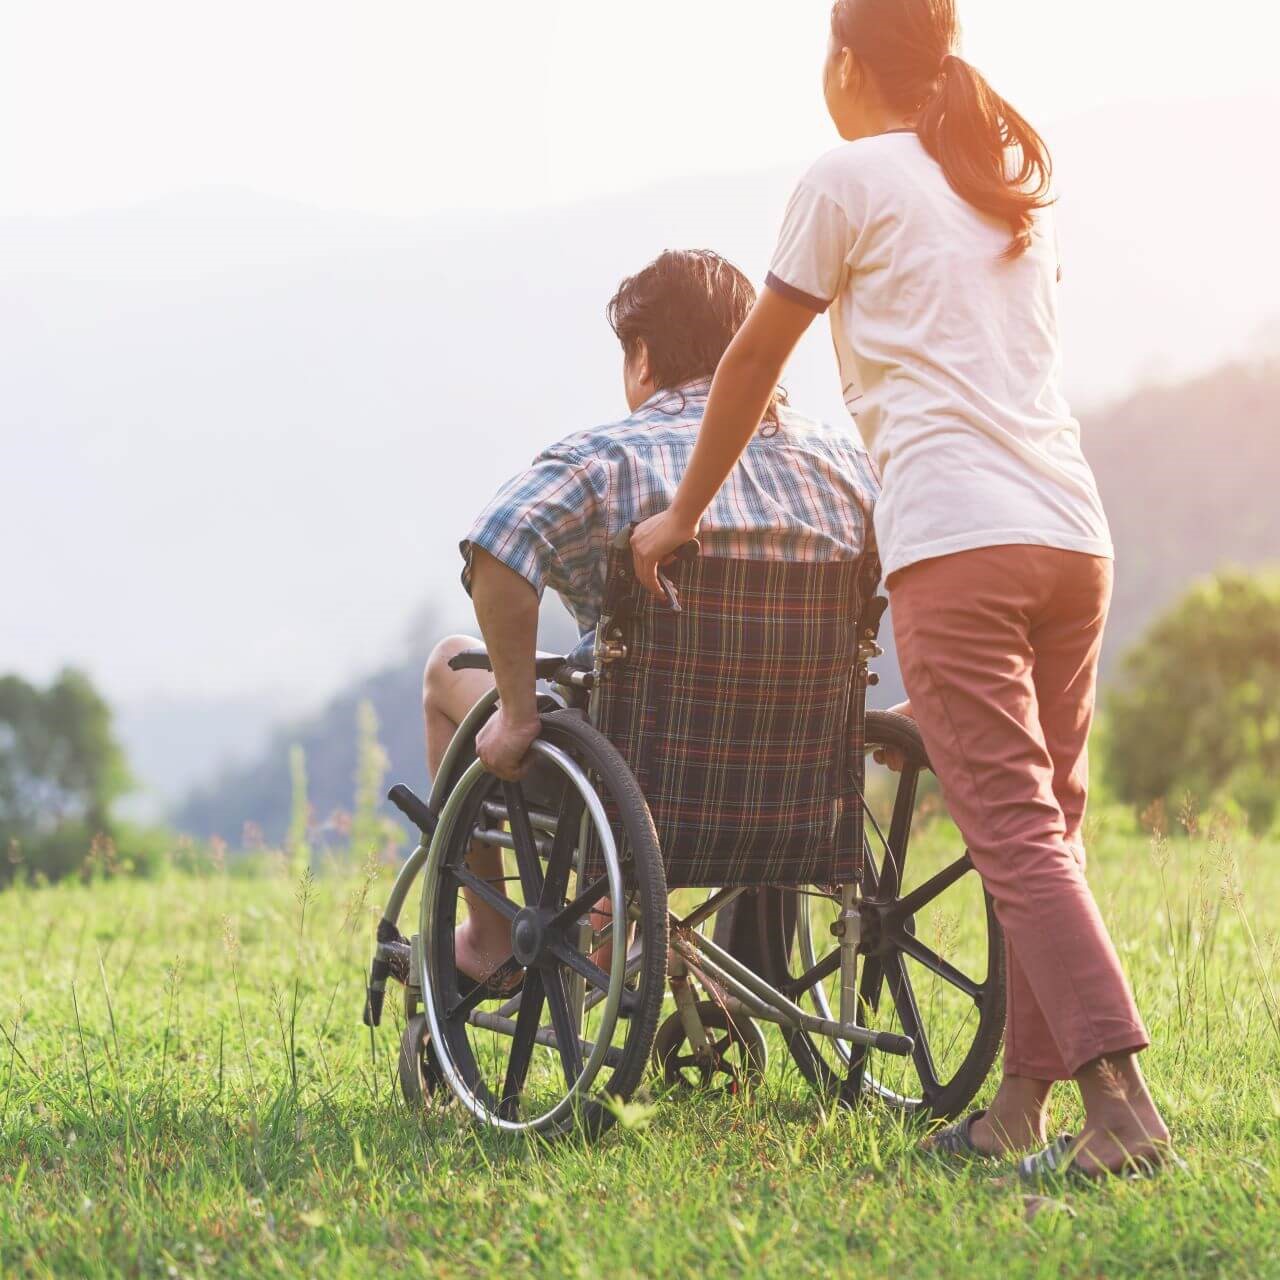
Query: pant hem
{"type": "Point", "coordinates": [1134, 1041]}
{"type": "Point", "coordinates": [1033, 1071]}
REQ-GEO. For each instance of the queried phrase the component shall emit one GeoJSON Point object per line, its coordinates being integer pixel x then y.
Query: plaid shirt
{"type": "Point", "coordinates": [802, 494]}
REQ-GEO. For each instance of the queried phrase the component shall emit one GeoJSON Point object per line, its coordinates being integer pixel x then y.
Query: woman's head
{"type": "Point", "coordinates": [894, 62]}
{"type": "Point", "coordinates": [676, 318]}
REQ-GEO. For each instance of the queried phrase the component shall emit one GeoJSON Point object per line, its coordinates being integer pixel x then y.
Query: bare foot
{"type": "Point", "coordinates": [1098, 1152]}
{"type": "Point", "coordinates": [477, 954]}
{"type": "Point", "coordinates": [1122, 1123]}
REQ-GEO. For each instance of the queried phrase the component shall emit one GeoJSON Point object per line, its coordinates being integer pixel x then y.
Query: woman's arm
{"type": "Point", "coordinates": [747, 377]}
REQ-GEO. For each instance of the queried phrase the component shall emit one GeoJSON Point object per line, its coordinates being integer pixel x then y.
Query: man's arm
{"type": "Point", "coordinates": [507, 610]}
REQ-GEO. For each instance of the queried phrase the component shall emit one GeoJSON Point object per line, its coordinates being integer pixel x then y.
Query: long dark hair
{"type": "Point", "coordinates": [686, 306]}
{"type": "Point", "coordinates": [968, 128]}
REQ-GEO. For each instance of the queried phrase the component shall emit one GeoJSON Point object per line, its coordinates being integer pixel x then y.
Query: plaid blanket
{"type": "Point", "coordinates": [742, 716]}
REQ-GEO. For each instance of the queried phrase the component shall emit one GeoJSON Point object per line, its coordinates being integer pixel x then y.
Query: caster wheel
{"type": "Point", "coordinates": [418, 1070]}
{"type": "Point", "coordinates": [734, 1060]}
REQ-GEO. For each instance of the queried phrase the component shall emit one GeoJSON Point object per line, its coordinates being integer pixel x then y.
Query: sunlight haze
{"type": "Point", "coordinates": [410, 107]}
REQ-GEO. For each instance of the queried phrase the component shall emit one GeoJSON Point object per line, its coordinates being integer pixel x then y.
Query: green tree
{"type": "Point", "coordinates": [61, 770]}
{"type": "Point", "coordinates": [1197, 709]}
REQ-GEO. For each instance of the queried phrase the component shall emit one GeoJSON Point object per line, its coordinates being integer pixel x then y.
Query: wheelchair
{"type": "Point", "coordinates": [705, 759]}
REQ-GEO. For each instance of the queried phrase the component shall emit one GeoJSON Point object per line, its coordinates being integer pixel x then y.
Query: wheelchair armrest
{"type": "Point", "coordinates": [545, 665]}
{"type": "Point", "coordinates": [471, 660]}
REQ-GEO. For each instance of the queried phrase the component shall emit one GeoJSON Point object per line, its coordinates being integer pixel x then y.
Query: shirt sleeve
{"type": "Point", "coordinates": [813, 247]}
{"type": "Point", "coordinates": [545, 524]}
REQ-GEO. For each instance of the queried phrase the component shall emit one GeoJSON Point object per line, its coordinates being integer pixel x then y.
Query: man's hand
{"type": "Point", "coordinates": [653, 543]}
{"type": "Point", "coordinates": [891, 757]}
{"type": "Point", "coordinates": [503, 745]}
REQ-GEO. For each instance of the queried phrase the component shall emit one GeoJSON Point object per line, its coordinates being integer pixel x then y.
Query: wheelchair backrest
{"type": "Point", "coordinates": [741, 714]}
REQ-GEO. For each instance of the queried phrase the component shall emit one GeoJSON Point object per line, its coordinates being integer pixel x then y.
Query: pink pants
{"type": "Point", "coordinates": [999, 653]}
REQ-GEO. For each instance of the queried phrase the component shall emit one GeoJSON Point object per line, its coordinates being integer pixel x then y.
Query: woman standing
{"type": "Point", "coordinates": [928, 237]}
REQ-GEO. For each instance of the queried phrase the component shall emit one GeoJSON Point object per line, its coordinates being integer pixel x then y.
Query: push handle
{"type": "Point", "coordinates": [413, 808]}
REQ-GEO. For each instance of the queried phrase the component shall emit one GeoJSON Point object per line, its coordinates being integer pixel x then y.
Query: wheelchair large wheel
{"type": "Point", "coordinates": [931, 958]}
{"type": "Point", "coordinates": [573, 869]}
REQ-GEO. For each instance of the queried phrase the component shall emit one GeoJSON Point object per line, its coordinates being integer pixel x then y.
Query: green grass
{"type": "Point", "coordinates": [185, 1089]}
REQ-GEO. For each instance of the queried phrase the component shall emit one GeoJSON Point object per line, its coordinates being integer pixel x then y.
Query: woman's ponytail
{"type": "Point", "coordinates": [972, 132]}
{"type": "Point", "coordinates": [991, 155]}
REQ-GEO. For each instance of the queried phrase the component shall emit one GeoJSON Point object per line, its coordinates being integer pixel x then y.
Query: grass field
{"type": "Point", "coordinates": [186, 1090]}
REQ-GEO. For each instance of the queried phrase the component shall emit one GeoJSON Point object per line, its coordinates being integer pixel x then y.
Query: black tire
{"type": "Point", "coordinates": [645, 887]}
{"type": "Point", "coordinates": [417, 1069]}
{"type": "Point", "coordinates": [738, 1054]}
{"type": "Point", "coordinates": [888, 943]}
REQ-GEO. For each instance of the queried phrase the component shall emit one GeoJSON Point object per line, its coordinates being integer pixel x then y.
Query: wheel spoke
{"type": "Point", "coordinates": [904, 1000]}
{"type": "Point", "coordinates": [523, 839]}
{"type": "Point", "coordinates": [932, 888]}
{"type": "Point", "coordinates": [566, 1033]}
{"type": "Point", "coordinates": [587, 899]}
{"type": "Point", "coordinates": [936, 964]}
{"type": "Point", "coordinates": [485, 892]}
{"type": "Point", "coordinates": [522, 1043]}
{"type": "Point", "coordinates": [565, 845]}
{"type": "Point", "coordinates": [811, 977]}
{"type": "Point", "coordinates": [895, 853]}
{"type": "Point", "coordinates": [870, 984]}
{"type": "Point", "coordinates": [575, 960]}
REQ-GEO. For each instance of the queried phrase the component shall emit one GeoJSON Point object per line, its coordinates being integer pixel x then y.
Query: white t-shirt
{"type": "Point", "coordinates": [949, 354]}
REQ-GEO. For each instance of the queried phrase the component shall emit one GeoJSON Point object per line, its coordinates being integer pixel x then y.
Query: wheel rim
{"type": "Point", "coordinates": [914, 896]}
{"type": "Point", "coordinates": [737, 1051]}
{"type": "Point", "coordinates": [541, 920]}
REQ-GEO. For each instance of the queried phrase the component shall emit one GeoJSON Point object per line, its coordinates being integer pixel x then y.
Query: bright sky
{"type": "Point", "coordinates": [406, 106]}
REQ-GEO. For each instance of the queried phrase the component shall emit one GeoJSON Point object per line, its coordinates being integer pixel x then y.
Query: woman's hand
{"type": "Point", "coordinates": [503, 745]}
{"type": "Point", "coordinates": [891, 757]}
{"type": "Point", "coordinates": [653, 542]}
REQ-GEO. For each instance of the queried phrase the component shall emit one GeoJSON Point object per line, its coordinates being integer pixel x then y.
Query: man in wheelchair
{"type": "Point", "coordinates": [802, 494]}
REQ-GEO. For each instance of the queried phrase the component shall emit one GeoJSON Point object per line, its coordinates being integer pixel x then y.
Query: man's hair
{"type": "Point", "coordinates": [685, 306]}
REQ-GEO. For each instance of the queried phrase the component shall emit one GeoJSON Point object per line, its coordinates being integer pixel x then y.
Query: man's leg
{"type": "Point", "coordinates": [482, 942]}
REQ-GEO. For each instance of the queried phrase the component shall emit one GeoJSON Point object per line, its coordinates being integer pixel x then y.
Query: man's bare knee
{"type": "Point", "coordinates": [438, 675]}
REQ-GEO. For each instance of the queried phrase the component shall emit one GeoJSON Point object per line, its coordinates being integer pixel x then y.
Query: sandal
{"type": "Point", "coordinates": [497, 986]}
{"type": "Point", "coordinates": [1057, 1161]}
{"type": "Point", "coordinates": [957, 1140]}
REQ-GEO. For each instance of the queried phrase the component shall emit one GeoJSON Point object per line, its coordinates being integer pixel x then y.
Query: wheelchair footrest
{"type": "Point", "coordinates": [887, 1042]}
{"type": "Point", "coordinates": [390, 960]}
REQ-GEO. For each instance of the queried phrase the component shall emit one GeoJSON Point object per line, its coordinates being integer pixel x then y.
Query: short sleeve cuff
{"type": "Point", "coordinates": [784, 290]}
{"type": "Point", "coordinates": [526, 566]}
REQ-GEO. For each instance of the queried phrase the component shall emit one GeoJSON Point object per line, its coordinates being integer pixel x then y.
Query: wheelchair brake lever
{"type": "Point", "coordinates": [669, 589]}
{"type": "Point", "coordinates": [682, 555]}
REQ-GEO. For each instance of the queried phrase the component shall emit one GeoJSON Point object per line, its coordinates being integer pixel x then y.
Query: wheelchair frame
{"type": "Point", "coordinates": [694, 955]}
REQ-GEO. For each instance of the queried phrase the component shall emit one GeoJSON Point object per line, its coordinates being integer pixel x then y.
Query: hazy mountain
{"type": "Point", "coordinates": [239, 438]}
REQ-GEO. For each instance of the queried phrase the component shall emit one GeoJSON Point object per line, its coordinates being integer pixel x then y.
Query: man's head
{"type": "Point", "coordinates": [676, 318]}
